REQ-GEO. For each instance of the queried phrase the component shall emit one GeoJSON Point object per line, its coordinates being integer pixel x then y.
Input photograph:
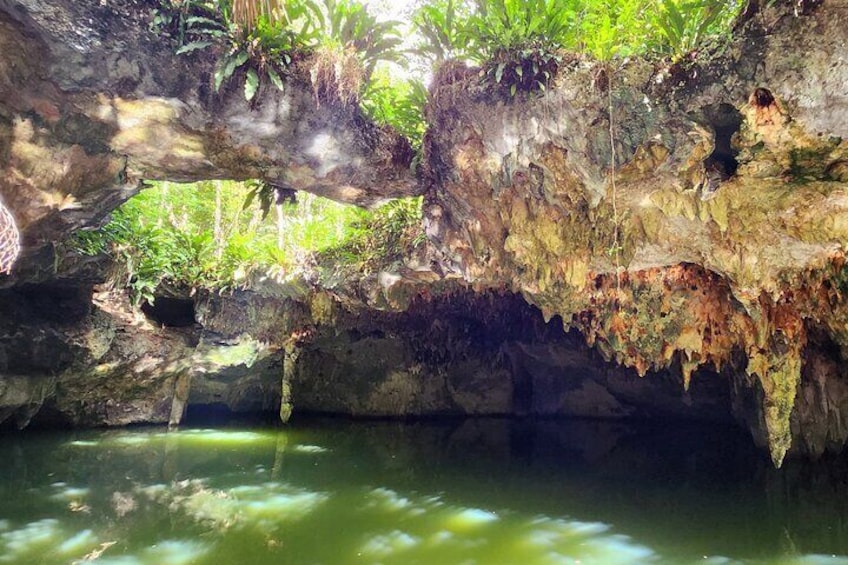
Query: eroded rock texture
{"type": "Point", "coordinates": [684, 214]}
{"type": "Point", "coordinates": [92, 103]}
{"type": "Point", "coordinates": [84, 358]}
{"type": "Point", "coordinates": [688, 221]}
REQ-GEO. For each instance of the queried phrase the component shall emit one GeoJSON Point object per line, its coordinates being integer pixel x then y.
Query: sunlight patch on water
{"type": "Point", "coordinates": [310, 449]}
{"type": "Point", "coordinates": [135, 439]}
{"type": "Point", "coordinates": [223, 436]}
{"type": "Point", "coordinates": [169, 552]}
{"type": "Point", "coordinates": [813, 559]}
{"type": "Point", "coordinates": [288, 506]}
{"type": "Point", "coordinates": [84, 443]}
{"type": "Point", "coordinates": [434, 531]}
{"type": "Point", "coordinates": [387, 500]}
{"type": "Point", "coordinates": [616, 550]}
{"type": "Point", "coordinates": [67, 493]}
{"type": "Point", "coordinates": [566, 541]}
{"type": "Point", "coordinates": [28, 543]}
{"type": "Point", "coordinates": [175, 552]}
{"type": "Point", "coordinates": [186, 437]}
{"type": "Point", "coordinates": [78, 543]}
{"type": "Point", "coordinates": [469, 519]}
{"type": "Point", "coordinates": [265, 506]}
{"type": "Point", "coordinates": [389, 544]}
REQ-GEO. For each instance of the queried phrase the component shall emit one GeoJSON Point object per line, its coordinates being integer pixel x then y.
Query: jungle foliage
{"type": "Point", "coordinates": [215, 235]}
{"type": "Point", "coordinates": [519, 44]}
{"type": "Point", "coordinates": [203, 236]}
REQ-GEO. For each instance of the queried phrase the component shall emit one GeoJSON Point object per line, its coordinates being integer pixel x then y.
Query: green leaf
{"type": "Point", "coordinates": [275, 79]}
{"type": "Point", "coordinates": [193, 46]}
{"type": "Point", "coordinates": [248, 200]}
{"type": "Point", "coordinates": [675, 17]}
{"type": "Point", "coordinates": [218, 75]}
{"type": "Point", "coordinates": [499, 72]}
{"type": "Point", "coordinates": [201, 20]}
{"type": "Point", "coordinates": [238, 60]}
{"type": "Point", "coordinates": [251, 85]}
{"type": "Point", "coordinates": [512, 90]}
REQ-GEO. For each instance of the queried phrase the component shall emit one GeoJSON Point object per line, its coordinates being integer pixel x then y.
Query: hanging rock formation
{"type": "Point", "coordinates": [92, 103]}
{"type": "Point", "coordinates": [687, 217]}
{"type": "Point", "coordinates": [598, 200]}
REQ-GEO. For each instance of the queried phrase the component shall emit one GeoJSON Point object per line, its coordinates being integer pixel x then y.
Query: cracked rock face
{"type": "Point", "coordinates": [692, 215]}
{"type": "Point", "coordinates": [92, 104]}
{"type": "Point", "coordinates": [686, 219]}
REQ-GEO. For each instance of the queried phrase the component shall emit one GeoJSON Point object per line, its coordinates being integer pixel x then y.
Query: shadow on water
{"type": "Point", "coordinates": [484, 491]}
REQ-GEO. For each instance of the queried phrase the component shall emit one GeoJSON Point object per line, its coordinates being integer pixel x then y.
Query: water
{"type": "Point", "coordinates": [476, 491]}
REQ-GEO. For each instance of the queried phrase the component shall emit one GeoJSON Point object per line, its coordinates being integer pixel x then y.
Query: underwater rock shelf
{"type": "Point", "coordinates": [687, 221]}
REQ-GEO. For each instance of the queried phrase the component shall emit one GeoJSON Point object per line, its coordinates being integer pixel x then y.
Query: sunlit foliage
{"type": "Point", "coordinates": [202, 235]}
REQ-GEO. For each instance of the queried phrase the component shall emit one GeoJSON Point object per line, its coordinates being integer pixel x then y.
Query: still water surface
{"type": "Point", "coordinates": [474, 491]}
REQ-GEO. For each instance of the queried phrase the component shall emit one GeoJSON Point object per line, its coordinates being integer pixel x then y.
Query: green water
{"type": "Point", "coordinates": [479, 491]}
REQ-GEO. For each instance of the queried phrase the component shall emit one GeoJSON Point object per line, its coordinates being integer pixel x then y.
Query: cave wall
{"type": "Point", "coordinates": [82, 356]}
{"type": "Point", "coordinates": [599, 201]}
{"type": "Point", "coordinates": [686, 218]}
{"type": "Point", "coordinates": [481, 354]}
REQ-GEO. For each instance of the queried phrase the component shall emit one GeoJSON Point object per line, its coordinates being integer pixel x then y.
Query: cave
{"type": "Point", "coordinates": [725, 121]}
{"type": "Point", "coordinates": [575, 298]}
{"type": "Point", "coordinates": [170, 311]}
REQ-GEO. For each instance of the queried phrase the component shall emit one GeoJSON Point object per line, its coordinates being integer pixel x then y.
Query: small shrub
{"type": "Point", "coordinates": [520, 42]}
{"type": "Point", "coordinates": [397, 103]}
{"type": "Point", "coordinates": [442, 25]}
{"type": "Point", "coordinates": [686, 25]}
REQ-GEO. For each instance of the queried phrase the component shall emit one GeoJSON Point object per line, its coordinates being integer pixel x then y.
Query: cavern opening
{"type": "Point", "coordinates": [170, 311]}
{"type": "Point", "coordinates": [725, 121]}
{"type": "Point", "coordinates": [423, 281]}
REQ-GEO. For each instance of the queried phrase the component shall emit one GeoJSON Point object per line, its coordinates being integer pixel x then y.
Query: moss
{"type": "Point", "coordinates": [779, 377]}
{"type": "Point", "coordinates": [244, 352]}
{"type": "Point", "coordinates": [321, 308]}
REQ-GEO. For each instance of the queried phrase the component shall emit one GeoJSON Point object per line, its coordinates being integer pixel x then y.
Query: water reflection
{"type": "Point", "coordinates": [478, 491]}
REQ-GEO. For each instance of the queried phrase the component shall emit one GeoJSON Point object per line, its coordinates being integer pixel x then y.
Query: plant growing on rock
{"type": "Point", "coordinates": [387, 234]}
{"type": "Point", "coordinates": [350, 26]}
{"type": "Point", "coordinates": [442, 26]}
{"type": "Point", "coordinates": [397, 103]}
{"type": "Point", "coordinates": [256, 39]}
{"type": "Point", "coordinates": [266, 46]}
{"type": "Point", "coordinates": [520, 42]}
{"type": "Point", "coordinates": [353, 43]}
{"type": "Point", "coordinates": [684, 26]}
